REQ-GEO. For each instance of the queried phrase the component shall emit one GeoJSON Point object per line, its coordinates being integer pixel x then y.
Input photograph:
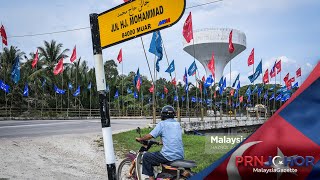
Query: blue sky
{"type": "Point", "coordinates": [277, 29]}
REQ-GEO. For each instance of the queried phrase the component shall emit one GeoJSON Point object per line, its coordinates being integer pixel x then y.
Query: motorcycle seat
{"type": "Point", "coordinates": [183, 163]}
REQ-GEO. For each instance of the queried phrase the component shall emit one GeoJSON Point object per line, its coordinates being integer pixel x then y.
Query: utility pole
{"type": "Point", "coordinates": [101, 87]}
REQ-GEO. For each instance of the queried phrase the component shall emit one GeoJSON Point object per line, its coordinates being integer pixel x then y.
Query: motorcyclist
{"type": "Point", "coordinates": [171, 136]}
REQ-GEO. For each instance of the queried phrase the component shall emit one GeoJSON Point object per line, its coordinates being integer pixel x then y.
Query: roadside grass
{"type": "Point", "coordinates": [194, 147]}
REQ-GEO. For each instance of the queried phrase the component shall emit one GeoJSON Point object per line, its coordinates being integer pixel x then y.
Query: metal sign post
{"type": "Point", "coordinates": [122, 23]}
{"type": "Point", "coordinates": [101, 88]}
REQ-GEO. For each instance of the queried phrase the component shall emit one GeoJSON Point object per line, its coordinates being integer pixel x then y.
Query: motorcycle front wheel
{"type": "Point", "coordinates": [123, 170]}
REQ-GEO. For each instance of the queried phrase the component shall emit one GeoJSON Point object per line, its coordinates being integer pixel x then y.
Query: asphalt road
{"type": "Point", "coordinates": [32, 128]}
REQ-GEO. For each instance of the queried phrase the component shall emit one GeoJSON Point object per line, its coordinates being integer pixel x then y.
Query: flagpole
{"type": "Point", "coordinates": [230, 105]}
{"type": "Point", "coordinates": [121, 88]}
{"type": "Point", "coordinates": [61, 94]}
{"type": "Point", "coordinates": [56, 103]}
{"type": "Point", "coordinates": [201, 91]}
{"type": "Point", "coordinates": [42, 101]}
{"type": "Point", "coordinates": [253, 87]}
{"type": "Point", "coordinates": [215, 92]}
{"type": "Point", "coordinates": [280, 84]}
{"type": "Point", "coordinates": [90, 99]}
{"type": "Point", "coordinates": [5, 94]}
{"type": "Point", "coordinates": [154, 91]}
{"type": "Point", "coordinates": [274, 93]}
{"type": "Point", "coordinates": [68, 102]}
{"type": "Point", "coordinates": [175, 86]}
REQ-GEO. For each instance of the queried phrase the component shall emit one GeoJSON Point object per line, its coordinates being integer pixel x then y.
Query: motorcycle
{"type": "Point", "coordinates": [132, 164]}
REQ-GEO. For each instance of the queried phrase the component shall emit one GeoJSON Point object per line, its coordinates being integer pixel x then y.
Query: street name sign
{"type": "Point", "coordinates": [136, 18]}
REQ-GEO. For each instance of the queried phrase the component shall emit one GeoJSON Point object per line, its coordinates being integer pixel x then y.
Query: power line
{"type": "Point", "coordinates": [55, 32]}
{"type": "Point", "coordinates": [83, 28]}
{"type": "Point", "coordinates": [203, 4]}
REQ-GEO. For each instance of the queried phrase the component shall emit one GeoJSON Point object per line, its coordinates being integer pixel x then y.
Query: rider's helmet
{"type": "Point", "coordinates": [167, 112]}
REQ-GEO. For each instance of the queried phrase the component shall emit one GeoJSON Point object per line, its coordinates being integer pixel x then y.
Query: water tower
{"type": "Point", "coordinates": [217, 40]}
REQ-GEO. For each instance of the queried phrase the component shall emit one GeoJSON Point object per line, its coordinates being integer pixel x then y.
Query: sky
{"type": "Point", "coordinates": [277, 29]}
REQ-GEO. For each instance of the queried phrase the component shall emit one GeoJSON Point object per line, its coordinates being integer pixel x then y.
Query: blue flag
{"type": "Point", "coordinates": [183, 99]}
{"type": "Point", "coordinates": [255, 89]}
{"type": "Point", "coordinates": [192, 69]}
{"type": "Point", "coordinates": [135, 95]}
{"type": "Point", "coordinates": [272, 97]}
{"type": "Point", "coordinates": [129, 91]}
{"type": "Point", "coordinates": [59, 91]}
{"type": "Point", "coordinates": [15, 73]}
{"type": "Point", "coordinates": [44, 82]}
{"type": "Point", "coordinates": [272, 87]}
{"type": "Point", "coordinates": [257, 73]}
{"type": "Point", "coordinates": [266, 95]}
{"type": "Point", "coordinates": [209, 81]}
{"type": "Point", "coordinates": [259, 91]}
{"type": "Point", "coordinates": [162, 96]}
{"type": "Point", "coordinates": [26, 90]}
{"type": "Point", "coordinates": [279, 97]}
{"type": "Point", "coordinates": [185, 79]}
{"type": "Point", "coordinates": [107, 88]}
{"type": "Point", "coordinates": [221, 82]}
{"type": "Point", "coordinates": [70, 86]}
{"type": "Point", "coordinates": [171, 67]}
{"type": "Point", "coordinates": [77, 92]}
{"type": "Point", "coordinates": [235, 81]}
{"type": "Point", "coordinates": [248, 92]}
{"type": "Point", "coordinates": [295, 85]}
{"type": "Point", "coordinates": [221, 90]}
{"type": "Point", "coordinates": [135, 80]}
{"type": "Point", "coordinates": [89, 86]}
{"type": "Point", "coordinates": [156, 47]}
{"type": "Point", "coordinates": [116, 95]}
{"type": "Point", "coordinates": [285, 97]}
{"type": "Point", "coordinates": [176, 98]}
{"type": "Point", "coordinates": [4, 87]}
{"type": "Point", "coordinates": [193, 99]}
{"type": "Point", "coordinates": [225, 82]}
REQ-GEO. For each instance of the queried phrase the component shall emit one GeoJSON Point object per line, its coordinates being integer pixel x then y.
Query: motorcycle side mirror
{"type": "Point", "coordinates": [139, 131]}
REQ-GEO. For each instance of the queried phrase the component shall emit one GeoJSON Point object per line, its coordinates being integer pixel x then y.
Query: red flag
{"type": "Point", "coordinates": [266, 77]}
{"type": "Point", "coordinates": [203, 78]}
{"type": "Point", "coordinates": [231, 47]}
{"type": "Point", "coordinates": [273, 72]}
{"type": "Point", "coordinates": [211, 65]}
{"type": "Point", "coordinates": [3, 35]}
{"type": "Point", "coordinates": [74, 55]}
{"type": "Point", "coordinates": [151, 89]}
{"type": "Point", "coordinates": [187, 29]}
{"type": "Point", "coordinates": [278, 66]}
{"type": "Point", "coordinates": [59, 67]}
{"type": "Point", "coordinates": [165, 90]}
{"type": "Point", "coordinates": [298, 72]}
{"type": "Point", "coordinates": [285, 79]}
{"type": "Point", "coordinates": [200, 87]}
{"type": "Point", "coordinates": [215, 94]}
{"type": "Point", "coordinates": [241, 99]}
{"type": "Point", "coordinates": [251, 58]}
{"type": "Point", "coordinates": [119, 58]}
{"type": "Point", "coordinates": [174, 82]}
{"type": "Point", "coordinates": [231, 92]}
{"type": "Point", "coordinates": [35, 60]}
{"type": "Point", "coordinates": [292, 79]}
{"type": "Point", "coordinates": [289, 83]}
{"type": "Point", "coordinates": [138, 84]}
